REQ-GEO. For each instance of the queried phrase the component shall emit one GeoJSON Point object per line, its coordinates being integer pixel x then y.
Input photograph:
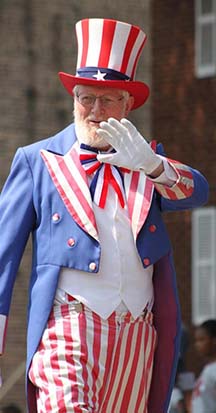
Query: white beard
{"type": "Point", "coordinates": [88, 134]}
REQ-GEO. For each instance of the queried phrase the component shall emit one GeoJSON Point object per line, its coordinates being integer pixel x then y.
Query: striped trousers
{"type": "Point", "coordinates": [87, 364]}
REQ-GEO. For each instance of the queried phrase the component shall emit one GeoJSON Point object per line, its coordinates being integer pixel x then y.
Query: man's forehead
{"type": "Point", "coordinates": [99, 90]}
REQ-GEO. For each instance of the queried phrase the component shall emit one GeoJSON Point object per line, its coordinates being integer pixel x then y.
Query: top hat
{"type": "Point", "coordinates": [108, 53]}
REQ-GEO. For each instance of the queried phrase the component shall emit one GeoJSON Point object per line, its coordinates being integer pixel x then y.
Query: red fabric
{"type": "Point", "coordinates": [85, 363]}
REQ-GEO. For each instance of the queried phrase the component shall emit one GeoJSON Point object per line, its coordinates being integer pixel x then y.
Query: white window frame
{"type": "Point", "coordinates": [204, 70]}
{"type": "Point", "coordinates": [203, 264]}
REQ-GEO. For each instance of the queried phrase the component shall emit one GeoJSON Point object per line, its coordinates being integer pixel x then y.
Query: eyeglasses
{"type": "Point", "coordinates": [106, 101]}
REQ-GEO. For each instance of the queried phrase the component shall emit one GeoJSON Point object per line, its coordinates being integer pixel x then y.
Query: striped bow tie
{"type": "Point", "coordinates": [105, 175]}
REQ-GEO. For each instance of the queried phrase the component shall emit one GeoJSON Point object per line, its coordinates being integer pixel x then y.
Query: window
{"type": "Point", "coordinates": [205, 38]}
{"type": "Point", "coordinates": [203, 264]}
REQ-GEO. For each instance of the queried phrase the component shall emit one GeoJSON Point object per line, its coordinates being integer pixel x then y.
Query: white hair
{"type": "Point", "coordinates": [125, 93]}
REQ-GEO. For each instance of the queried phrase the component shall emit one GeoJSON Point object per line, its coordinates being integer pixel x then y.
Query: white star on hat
{"type": "Point", "coordinates": [99, 75]}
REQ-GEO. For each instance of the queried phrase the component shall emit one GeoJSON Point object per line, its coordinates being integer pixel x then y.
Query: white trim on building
{"type": "Point", "coordinates": [203, 264]}
{"type": "Point", "coordinates": [205, 38]}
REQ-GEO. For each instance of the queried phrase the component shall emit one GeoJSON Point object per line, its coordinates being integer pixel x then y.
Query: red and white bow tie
{"type": "Point", "coordinates": [105, 175]}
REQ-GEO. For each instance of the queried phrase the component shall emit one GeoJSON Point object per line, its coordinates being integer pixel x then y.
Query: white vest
{"type": "Point", "coordinates": [121, 278]}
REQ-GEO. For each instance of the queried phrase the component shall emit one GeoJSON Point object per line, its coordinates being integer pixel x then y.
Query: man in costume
{"type": "Point", "coordinates": [103, 320]}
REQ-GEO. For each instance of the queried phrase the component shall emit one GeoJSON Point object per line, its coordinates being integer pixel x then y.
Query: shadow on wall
{"type": "Point", "coordinates": [10, 408]}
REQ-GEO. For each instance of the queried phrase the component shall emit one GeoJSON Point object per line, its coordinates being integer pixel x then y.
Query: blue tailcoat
{"type": "Point", "coordinates": [27, 203]}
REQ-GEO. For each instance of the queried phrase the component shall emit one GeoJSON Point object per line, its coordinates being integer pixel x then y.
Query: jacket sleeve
{"type": "Point", "coordinates": [191, 189]}
{"type": "Point", "coordinates": [17, 219]}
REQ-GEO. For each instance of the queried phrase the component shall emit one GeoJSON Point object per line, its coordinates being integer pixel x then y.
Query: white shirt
{"type": "Point", "coordinates": [121, 281]}
{"type": "Point", "coordinates": [176, 397]}
{"type": "Point", "coordinates": [204, 393]}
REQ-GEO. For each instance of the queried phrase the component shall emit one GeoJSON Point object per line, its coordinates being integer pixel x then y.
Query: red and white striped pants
{"type": "Point", "coordinates": [87, 364]}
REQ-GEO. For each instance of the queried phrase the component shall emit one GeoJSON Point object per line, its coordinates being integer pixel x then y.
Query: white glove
{"type": "Point", "coordinates": [132, 150]}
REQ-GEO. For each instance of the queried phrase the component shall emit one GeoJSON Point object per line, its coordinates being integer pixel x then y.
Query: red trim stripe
{"type": "Point", "coordinates": [93, 168]}
{"type": "Point", "coordinates": [85, 42]}
{"type": "Point", "coordinates": [183, 188]}
{"type": "Point", "coordinates": [111, 339]}
{"type": "Point", "coordinates": [43, 376]}
{"type": "Point", "coordinates": [136, 60]}
{"type": "Point", "coordinates": [143, 381]}
{"type": "Point", "coordinates": [134, 31]}
{"type": "Point", "coordinates": [171, 194]}
{"type": "Point", "coordinates": [184, 172]}
{"type": "Point", "coordinates": [123, 347]}
{"type": "Point", "coordinates": [68, 336]}
{"type": "Point", "coordinates": [107, 42]}
{"type": "Point", "coordinates": [145, 204]}
{"type": "Point", "coordinates": [138, 206]}
{"type": "Point", "coordinates": [104, 191]}
{"type": "Point", "coordinates": [84, 356]}
{"type": "Point", "coordinates": [73, 184]}
{"type": "Point", "coordinates": [134, 349]}
{"type": "Point", "coordinates": [107, 174]}
{"type": "Point", "coordinates": [149, 366]}
{"type": "Point", "coordinates": [36, 376]}
{"type": "Point", "coordinates": [129, 386]}
{"type": "Point", "coordinates": [117, 188]}
{"type": "Point", "coordinates": [54, 363]}
{"type": "Point", "coordinates": [132, 193]}
{"type": "Point", "coordinates": [125, 365]}
{"type": "Point", "coordinates": [96, 356]}
{"type": "Point", "coordinates": [94, 162]}
{"type": "Point", "coordinates": [85, 156]}
{"type": "Point", "coordinates": [75, 158]}
{"type": "Point", "coordinates": [113, 370]}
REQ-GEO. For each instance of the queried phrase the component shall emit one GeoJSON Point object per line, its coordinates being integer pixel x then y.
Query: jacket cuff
{"type": "Point", "coordinates": [184, 186]}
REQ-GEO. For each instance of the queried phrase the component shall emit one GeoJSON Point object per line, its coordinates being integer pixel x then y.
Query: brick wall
{"type": "Point", "coordinates": [37, 41]}
{"type": "Point", "coordinates": [183, 116]}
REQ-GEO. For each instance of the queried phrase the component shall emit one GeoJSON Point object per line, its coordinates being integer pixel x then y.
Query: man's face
{"type": "Point", "coordinates": [93, 105]}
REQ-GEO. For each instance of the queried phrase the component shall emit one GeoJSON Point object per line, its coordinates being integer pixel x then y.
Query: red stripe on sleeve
{"type": "Point", "coordinates": [171, 194]}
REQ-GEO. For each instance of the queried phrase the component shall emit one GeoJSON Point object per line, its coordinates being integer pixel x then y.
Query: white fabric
{"type": "Point", "coordinates": [204, 394]}
{"type": "Point", "coordinates": [168, 176]}
{"type": "Point", "coordinates": [132, 150]}
{"type": "Point", "coordinates": [86, 364]}
{"type": "Point", "coordinates": [176, 397]}
{"type": "Point", "coordinates": [121, 276]}
{"type": "Point", "coordinates": [3, 323]}
{"type": "Point", "coordinates": [121, 282]}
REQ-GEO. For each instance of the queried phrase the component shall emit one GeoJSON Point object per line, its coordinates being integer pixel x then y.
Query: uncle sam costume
{"type": "Point", "coordinates": [32, 208]}
{"type": "Point", "coordinates": [35, 200]}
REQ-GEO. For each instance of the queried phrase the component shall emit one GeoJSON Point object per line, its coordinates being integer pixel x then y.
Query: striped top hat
{"type": "Point", "coordinates": [108, 53]}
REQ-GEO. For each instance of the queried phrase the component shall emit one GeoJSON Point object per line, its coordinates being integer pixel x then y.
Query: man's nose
{"type": "Point", "coordinates": [98, 105]}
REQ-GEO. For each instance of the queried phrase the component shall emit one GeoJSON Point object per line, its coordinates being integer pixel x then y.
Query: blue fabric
{"type": "Point", "coordinates": [27, 203]}
{"type": "Point", "coordinates": [88, 162]}
{"type": "Point", "coordinates": [90, 72]}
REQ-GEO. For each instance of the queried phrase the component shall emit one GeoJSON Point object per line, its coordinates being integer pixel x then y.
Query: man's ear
{"type": "Point", "coordinates": [129, 104]}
